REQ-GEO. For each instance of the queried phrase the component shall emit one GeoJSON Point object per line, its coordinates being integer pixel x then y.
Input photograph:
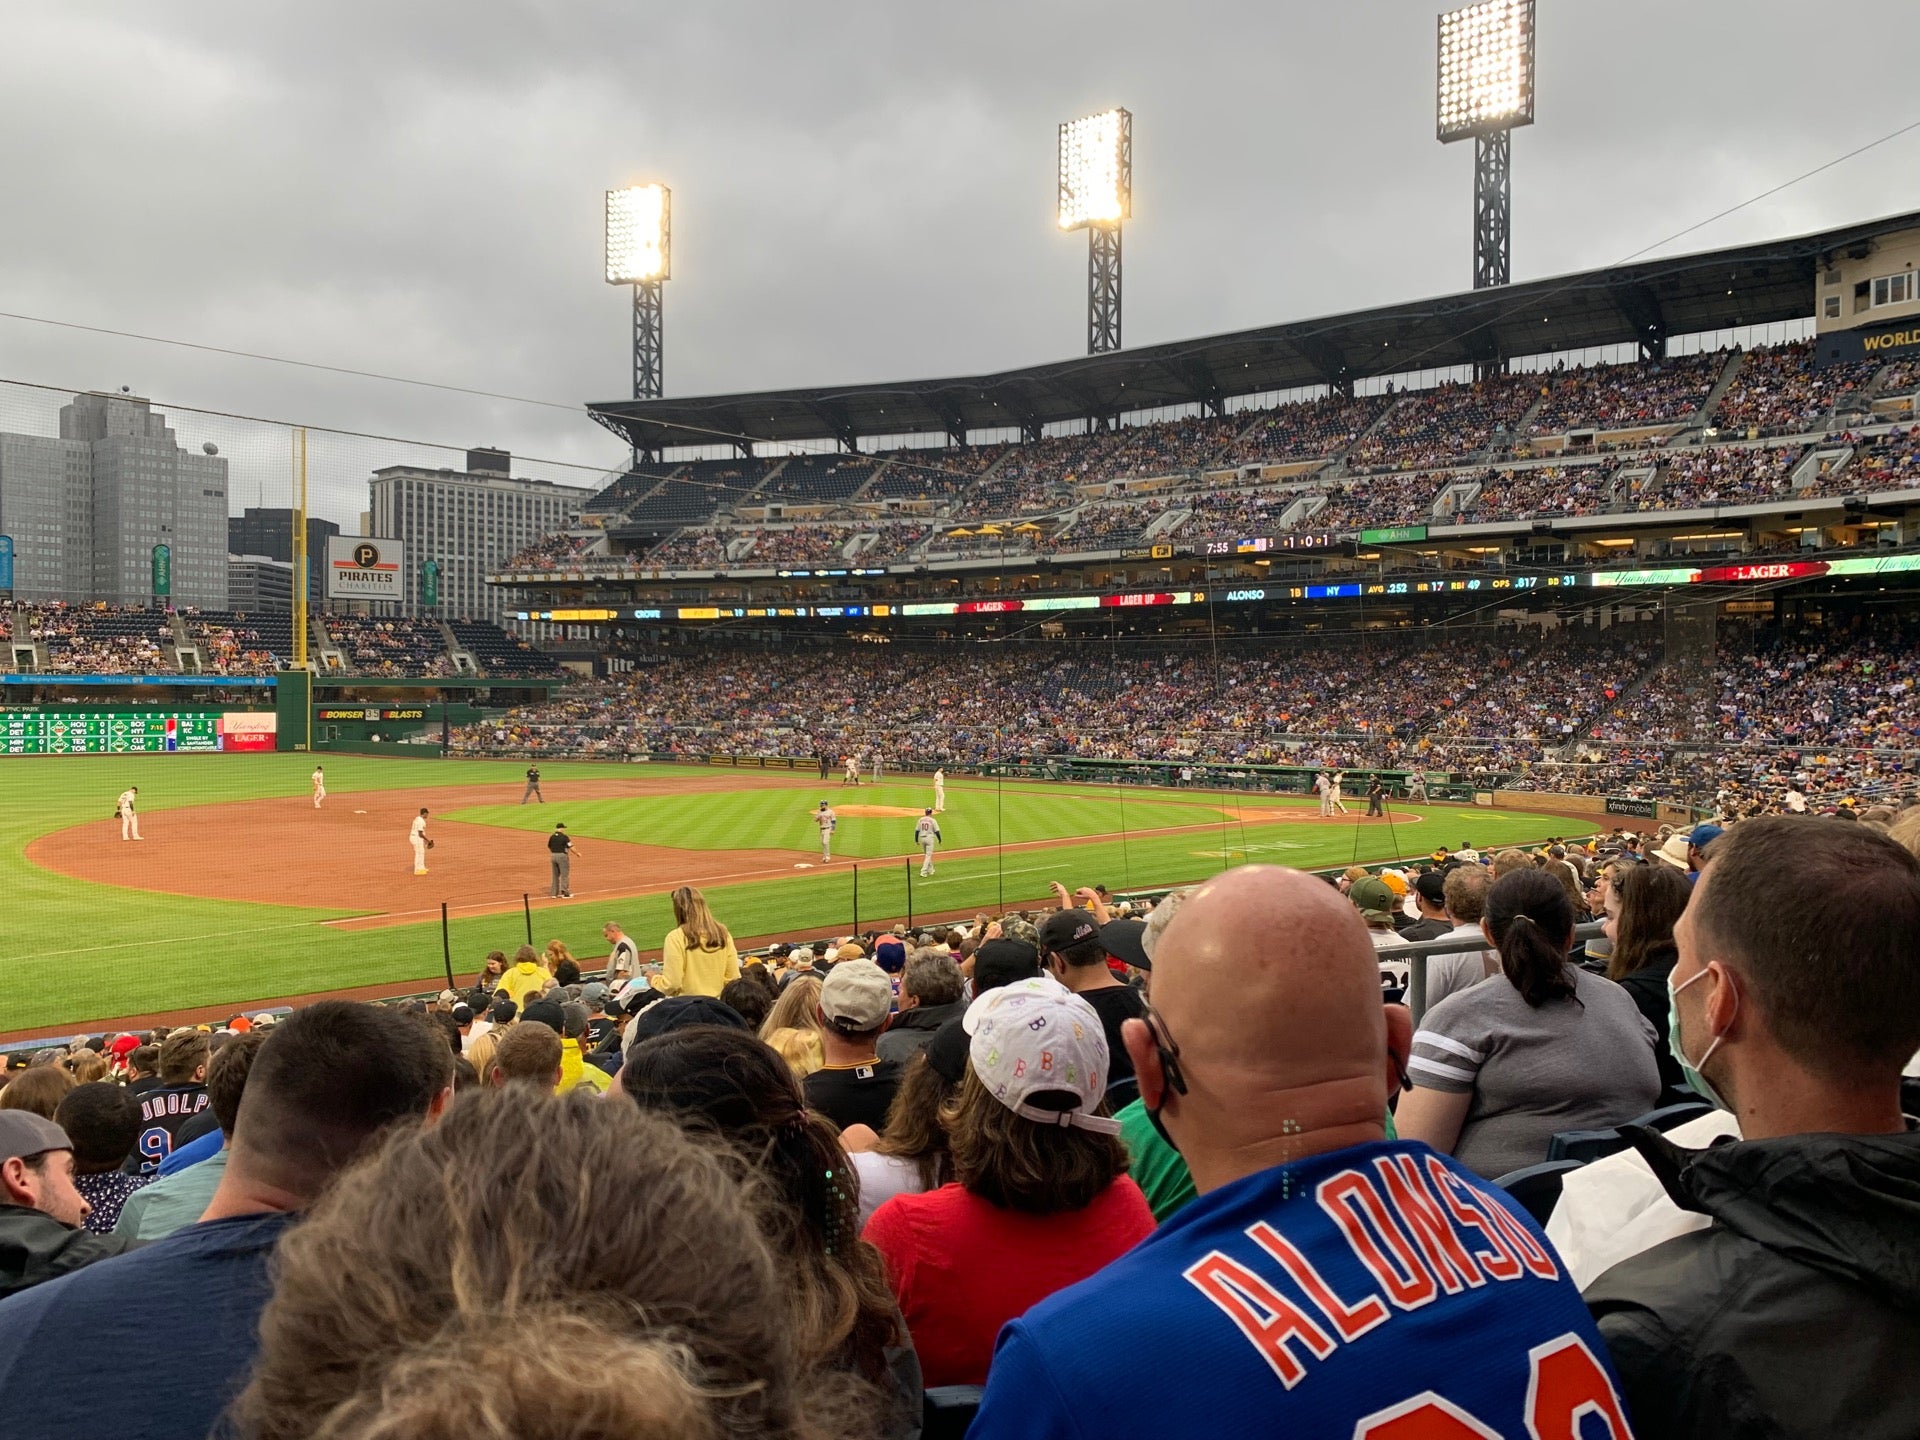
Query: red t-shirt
{"type": "Point", "coordinates": [962, 1266]}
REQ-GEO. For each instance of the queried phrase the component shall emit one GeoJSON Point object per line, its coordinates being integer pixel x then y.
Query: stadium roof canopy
{"type": "Point", "coordinates": [1642, 303]}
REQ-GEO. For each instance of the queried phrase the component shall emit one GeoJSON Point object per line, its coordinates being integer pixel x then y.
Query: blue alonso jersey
{"type": "Point", "coordinates": [1380, 1292]}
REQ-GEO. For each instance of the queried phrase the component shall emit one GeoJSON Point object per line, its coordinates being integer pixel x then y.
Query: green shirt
{"type": "Point", "coordinates": [175, 1202]}
{"type": "Point", "coordinates": [1156, 1167]}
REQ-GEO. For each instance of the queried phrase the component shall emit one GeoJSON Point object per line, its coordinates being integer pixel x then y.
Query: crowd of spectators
{"type": "Point", "coordinates": [1663, 1160]}
{"type": "Point", "coordinates": [1447, 425]}
{"type": "Point", "coordinates": [97, 639]}
{"type": "Point", "coordinates": [1622, 397]}
{"type": "Point", "coordinates": [1304, 429]}
{"type": "Point", "coordinates": [1720, 475]}
{"type": "Point", "coordinates": [1542, 490]}
{"type": "Point", "coordinates": [1779, 390]}
{"type": "Point", "coordinates": [560, 551]}
{"type": "Point", "coordinates": [374, 645]}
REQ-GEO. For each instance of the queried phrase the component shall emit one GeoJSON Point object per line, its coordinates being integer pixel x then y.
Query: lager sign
{"type": "Point", "coordinates": [360, 567]}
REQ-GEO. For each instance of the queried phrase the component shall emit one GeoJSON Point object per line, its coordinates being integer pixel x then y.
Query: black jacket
{"type": "Point", "coordinates": [35, 1247]}
{"type": "Point", "coordinates": [912, 1030]}
{"type": "Point", "coordinates": [1797, 1313]}
{"type": "Point", "coordinates": [1648, 987]}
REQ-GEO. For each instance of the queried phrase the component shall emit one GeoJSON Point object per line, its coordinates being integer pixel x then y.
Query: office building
{"type": "Point", "coordinates": [467, 522]}
{"type": "Point", "coordinates": [85, 509]}
{"type": "Point", "coordinates": [259, 582]}
{"type": "Point", "coordinates": [268, 531]}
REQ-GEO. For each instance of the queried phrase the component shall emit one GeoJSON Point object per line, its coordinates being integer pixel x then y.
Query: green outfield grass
{"type": "Point", "coordinates": [78, 951]}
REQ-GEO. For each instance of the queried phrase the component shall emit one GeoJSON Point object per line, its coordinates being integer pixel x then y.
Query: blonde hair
{"type": "Point", "coordinates": [796, 1008]}
{"type": "Point", "coordinates": [86, 1066]}
{"type": "Point", "coordinates": [799, 1048]}
{"type": "Point", "coordinates": [690, 912]}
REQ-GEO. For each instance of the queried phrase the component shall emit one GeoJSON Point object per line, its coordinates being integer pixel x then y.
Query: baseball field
{"type": "Point", "coordinates": [241, 891]}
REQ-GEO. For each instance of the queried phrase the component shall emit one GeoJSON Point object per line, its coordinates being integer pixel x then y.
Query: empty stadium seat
{"type": "Point", "coordinates": [1585, 1146]}
{"type": "Point", "coordinates": [1537, 1187]}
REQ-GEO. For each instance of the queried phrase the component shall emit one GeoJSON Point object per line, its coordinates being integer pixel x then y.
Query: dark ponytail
{"type": "Point", "coordinates": [1531, 921]}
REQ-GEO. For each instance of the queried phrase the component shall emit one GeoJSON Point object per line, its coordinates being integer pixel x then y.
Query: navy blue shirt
{"type": "Point", "coordinates": [1377, 1290]}
{"type": "Point", "coordinates": [154, 1343]}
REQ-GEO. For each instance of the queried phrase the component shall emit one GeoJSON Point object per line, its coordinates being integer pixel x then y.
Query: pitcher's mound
{"type": "Point", "coordinates": [876, 812]}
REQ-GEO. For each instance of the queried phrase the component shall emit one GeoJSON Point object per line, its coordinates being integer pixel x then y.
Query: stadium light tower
{"type": "Point", "coordinates": [639, 253]}
{"type": "Point", "coordinates": [1486, 90]}
{"type": "Point", "coordinates": [1096, 195]}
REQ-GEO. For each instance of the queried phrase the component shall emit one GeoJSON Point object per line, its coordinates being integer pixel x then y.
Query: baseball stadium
{"type": "Point", "coordinates": [1373, 840]}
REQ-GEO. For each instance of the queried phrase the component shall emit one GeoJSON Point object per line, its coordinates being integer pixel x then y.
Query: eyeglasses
{"type": "Point", "coordinates": [1167, 1048]}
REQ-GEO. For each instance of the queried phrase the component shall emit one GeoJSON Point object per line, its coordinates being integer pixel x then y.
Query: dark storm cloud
{"type": "Point", "coordinates": [861, 191]}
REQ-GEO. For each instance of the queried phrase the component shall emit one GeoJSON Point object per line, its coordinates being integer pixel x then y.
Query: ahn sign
{"type": "Point", "coordinates": [362, 568]}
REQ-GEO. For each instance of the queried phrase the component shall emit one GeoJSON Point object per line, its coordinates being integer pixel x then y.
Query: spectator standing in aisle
{"type": "Point", "coordinates": [527, 979]}
{"type": "Point", "coordinates": [41, 1211]}
{"type": "Point", "coordinates": [123, 807]}
{"type": "Point", "coordinates": [560, 862]}
{"type": "Point", "coordinates": [698, 957]}
{"type": "Point", "coordinates": [1791, 1305]}
{"type": "Point", "coordinates": [926, 834]}
{"type": "Point", "coordinates": [532, 792]}
{"type": "Point", "coordinates": [1268, 1060]}
{"type": "Point", "coordinates": [330, 1079]}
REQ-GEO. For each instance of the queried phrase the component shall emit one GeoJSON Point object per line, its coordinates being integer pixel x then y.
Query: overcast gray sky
{"type": "Point", "coordinates": [862, 191]}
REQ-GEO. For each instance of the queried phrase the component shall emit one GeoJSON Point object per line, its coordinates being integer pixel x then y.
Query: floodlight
{"type": "Point", "coordinates": [639, 235]}
{"type": "Point", "coordinates": [1096, 170]}
{"type": "Point", "coordinates": [1486, 68]}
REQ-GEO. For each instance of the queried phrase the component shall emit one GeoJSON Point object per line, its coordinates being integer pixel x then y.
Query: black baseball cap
{"type": "Point", "coordinates": [677, 1011]}
{"type": "Point", "coordinates": [947, 1051]}
{"type": "Point", "coordinates": [543, 1012]}
{"type": "Point", "coordinates": [1122, 940]}
{"type": "Point", "coordinates": [1064, 929]}
{"type": "Point", "coordinates": [1001, 962]}
{"type": "Point", "coordinates": [1432, 886]}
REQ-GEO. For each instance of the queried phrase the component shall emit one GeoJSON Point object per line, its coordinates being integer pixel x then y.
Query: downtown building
{"type": "Point", "coordinates": [467, 522]}
{"type": "Point", "coordinates": [86, 508]}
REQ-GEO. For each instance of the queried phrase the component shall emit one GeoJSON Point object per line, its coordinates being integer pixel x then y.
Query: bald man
{"type": "Point", "coordinates": [1327, 1280]}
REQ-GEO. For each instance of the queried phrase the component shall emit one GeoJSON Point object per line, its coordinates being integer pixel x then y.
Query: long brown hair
{"type": "Point", "coordinates": [1531, 921]}
{"type": "Point", "coordinates": [914, 1131]}
{"type": "Point", "coordinates": [1021, 1164]}
{"type": "Point", "coordinates": [736, 1086]}
{"type": "Point", "coordinates": [1651, 899]}
{"type": "Point", "coordinates": [691, 914]}
{"type": "Point", "coordinates": [488, 1229]}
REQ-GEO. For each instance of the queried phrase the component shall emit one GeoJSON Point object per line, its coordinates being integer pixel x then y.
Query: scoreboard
{"type": "Point", "coordinates": [108, 732]}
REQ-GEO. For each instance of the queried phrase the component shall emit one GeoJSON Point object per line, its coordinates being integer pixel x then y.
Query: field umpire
{"type": "Point", "coordinates": [560, 862]}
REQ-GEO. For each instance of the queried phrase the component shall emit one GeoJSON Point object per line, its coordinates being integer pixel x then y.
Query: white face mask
{"type": "Point", "coordinates": [1698, 1082]}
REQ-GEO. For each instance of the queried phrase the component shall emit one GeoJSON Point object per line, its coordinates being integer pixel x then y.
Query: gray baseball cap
{"type": "Point", "coordinates": [24, 1135]}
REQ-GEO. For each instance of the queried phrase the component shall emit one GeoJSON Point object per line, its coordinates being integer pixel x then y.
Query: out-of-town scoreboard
{"type": "Point", "coordinates": [110, 732]}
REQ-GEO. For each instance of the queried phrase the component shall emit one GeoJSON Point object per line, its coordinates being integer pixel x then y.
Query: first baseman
{"type": "Point", "coordinates": [417, 837]}
{"type": "Point", "coordinates": [123, 807]}
{"type": "Point", "coordinates": [827, 821]}
{"type": "Point", "coordinates": [319, 786]}
{"type": "Point", "coordinates": [926, 834]}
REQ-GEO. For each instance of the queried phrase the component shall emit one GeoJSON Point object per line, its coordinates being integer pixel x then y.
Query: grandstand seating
{"type": "Point", "coordinates": [1617, 397]}
{"type": "Point", "coordinates": [500, 653]}
{"type": "Point", "coordinates": [231, 643]}
{"type": "Point", "coordinates": [1304, 429]}
{"type": "Point", "coordinates": [1446, 425]}
{"type": "Point", "coordinates": [1779, 389]}
{"type": "Point", "coordinates": [816, 479]}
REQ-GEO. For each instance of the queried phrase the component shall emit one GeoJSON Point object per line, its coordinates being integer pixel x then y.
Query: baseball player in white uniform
{"type": "Point", "coordinates": [926, 834]}
{"type": "Point", "coordinates": [1323, 783]}
{"type": "Point", "coordinates": [827, 821]}
{"type": "Point", "coordinates": [853, 771]}
{"type": "Point", "coordinates": [417, 837]}
{"type": "Point", "coordinates": [1334, 796]}
{"type": "Point", "coordinates": [123, 807]}
{"type": "Point", "coordinates": [319, 786]}
{"type": "Point", "coordinates": [874, 768]}
{"type": "Point", "coordinates": [939, 791]}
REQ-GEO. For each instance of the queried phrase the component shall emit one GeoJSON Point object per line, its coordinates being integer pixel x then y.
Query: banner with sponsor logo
{"type": "Point", "coordinates": [1627, 805]}
{"type": "Point", "coordinates": [1886, 342]}
{"type": "Point", "coordinates": [360, 567]}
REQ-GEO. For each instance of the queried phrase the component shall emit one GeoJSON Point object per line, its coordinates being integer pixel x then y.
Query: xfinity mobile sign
{"type": "Point", "coordinates": [360, 568]}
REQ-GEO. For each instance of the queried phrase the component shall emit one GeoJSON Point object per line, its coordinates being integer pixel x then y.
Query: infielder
{"type": "Point", "coordinates": [560, 862]}
{"type": "Point", "coordinates": [874, 769]}
{"type": "Point", "coordinates": [532, 792]}
{"type": "Point", "coordinates": [319, 785]}
{"type": "Point", "coordinates": [939, 791]}
{"type": "Point", "coordinates": [123, 807]}
{"type": "Point", "coordinates": [852, 776]}
{"type": "Point", "coordinates": [827, 821]}
{"type": "Point", "coordinates": [417, 837]}
{"type": "Point", "coordinates": [926, 834]}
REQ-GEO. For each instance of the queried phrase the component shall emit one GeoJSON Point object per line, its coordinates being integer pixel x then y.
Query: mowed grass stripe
{"type": "Point", "coordinates": [76, 950]}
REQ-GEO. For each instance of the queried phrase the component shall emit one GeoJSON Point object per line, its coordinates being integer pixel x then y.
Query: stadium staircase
{"type": "Point", "coordinates": [1456, 497]}
{"type": "Point", "coordinates": [1302, 509]}
{"type": "Point", "coordinates": [465, 662]}
{"type": "Point", "coordinates": [1339, 460]}
{"type": "Point", "coordinates": [326, 654]}
{"type": "Point", "coordinates": [186, 654]}
{"type": "Point", "coordinates": [1704, 415]}
{"type": "Point", "coordinates": [1624, 488]}
{"type": "Point", "coordinates": [1821, 462]}
{"type": "Point", "coordinates": [872, 480]}
{"type": "Point", "coordinates": [1166, 523]}
{"type": "Point", "coordinates": [1520, 426]}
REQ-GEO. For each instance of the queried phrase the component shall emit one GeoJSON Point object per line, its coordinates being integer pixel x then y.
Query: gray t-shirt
{"type": "Point", "coordinates": [1533, 1072]}
{"type": "Point", "coordinates": [1449, 973]}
